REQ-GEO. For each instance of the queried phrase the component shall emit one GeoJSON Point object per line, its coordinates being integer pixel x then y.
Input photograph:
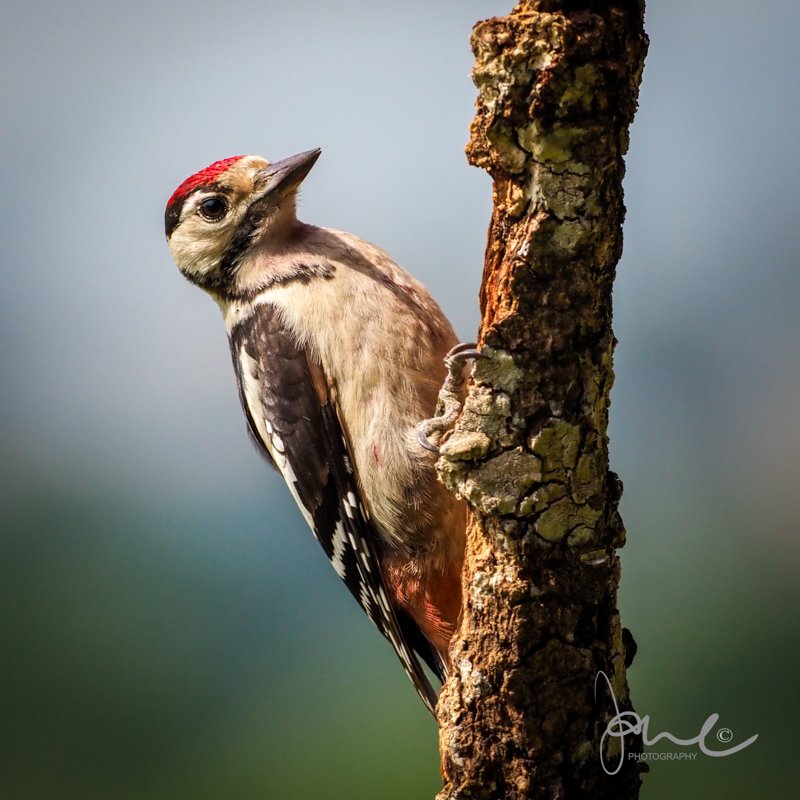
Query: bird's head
{"type": "Point", "coordinates": [216, 216]}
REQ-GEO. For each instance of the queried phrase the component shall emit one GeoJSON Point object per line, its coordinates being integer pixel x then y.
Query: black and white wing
{"type": "Point", "coordinates": [292, 416]}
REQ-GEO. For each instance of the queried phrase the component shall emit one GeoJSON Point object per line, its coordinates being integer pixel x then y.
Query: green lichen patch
{"type": "Point", "coordinates": [557, 445]}
{"type": "Point", "coordinates": [563, 516]}
{"type": "Point", "coordinates": [498, 370]}
{"type": "Point", "coordinates": [555, 145]}
{"type": "Point", "coordinates": [464, 445]}
{"type": "Point", "coordinates": [498, 485]}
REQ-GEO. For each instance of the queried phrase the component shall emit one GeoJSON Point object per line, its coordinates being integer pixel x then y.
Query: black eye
{"type": "Point", "coordinates": [213, 209]}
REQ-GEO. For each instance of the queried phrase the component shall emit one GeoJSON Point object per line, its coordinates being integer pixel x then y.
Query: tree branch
{"type": "Point", "coordinates": [558, 84]}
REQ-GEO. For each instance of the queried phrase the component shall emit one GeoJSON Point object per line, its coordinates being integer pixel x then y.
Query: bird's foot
{"type": "Point", "coordinates": [449, 404]}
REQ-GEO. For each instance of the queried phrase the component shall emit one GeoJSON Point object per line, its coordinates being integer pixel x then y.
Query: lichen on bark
{"type": "Point", "coordinates": [558, 84]}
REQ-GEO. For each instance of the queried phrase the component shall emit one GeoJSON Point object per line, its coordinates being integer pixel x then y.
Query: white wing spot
{"type": "Point", "coordinates": [365, 561]}
{"type": "Point", "coordinates": [339, 544]}
{"type": "Point", "coordinates": [384, 603]}
{"type": "Point", "coordinates": [366, 602]}
{"type": "Point", "coordinates": [399, 648]}
{"type": "Point", "coordinates": [291, 482]}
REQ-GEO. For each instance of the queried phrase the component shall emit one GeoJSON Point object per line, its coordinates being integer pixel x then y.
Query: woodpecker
{"type": "Point", "coordinates": [338, 354]}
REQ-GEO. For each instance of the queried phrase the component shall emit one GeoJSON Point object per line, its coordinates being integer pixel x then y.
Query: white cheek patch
{"type": "Point", "coordinates": [194, 256]}
{"type": "Point", "coordinates": [199, 245]}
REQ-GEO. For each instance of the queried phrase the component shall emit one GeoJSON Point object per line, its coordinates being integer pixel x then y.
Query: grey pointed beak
{"type": "Point", "coordinates": [287, 174]}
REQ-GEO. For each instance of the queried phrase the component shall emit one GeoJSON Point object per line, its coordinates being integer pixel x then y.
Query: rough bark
{"type": "Point", "coordinates": [558, 85]}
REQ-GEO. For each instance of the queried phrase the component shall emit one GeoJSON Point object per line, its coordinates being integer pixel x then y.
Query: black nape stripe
{"type": "Point", "coordinates": [222, 283]}
{"type": "Point", "coordinates": [305, 273]}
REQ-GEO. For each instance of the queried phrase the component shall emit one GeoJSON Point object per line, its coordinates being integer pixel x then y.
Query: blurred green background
{"type": "Point", "coordinates": [170, 629]}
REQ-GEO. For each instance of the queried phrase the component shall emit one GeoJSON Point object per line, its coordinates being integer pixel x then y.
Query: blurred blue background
{"type": "Point", "coordinates": [170, 629]}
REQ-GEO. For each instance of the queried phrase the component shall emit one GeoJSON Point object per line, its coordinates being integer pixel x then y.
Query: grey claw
{"type": "Point", "coordinates": [464, 355]}
{"type": "Point", "coordinates": [456, 349]}
{"type": "Point", "coordinates": [423, 439]}
{"type": "Point", "coordinates": [449, 402]}
{"type": "Point", "coordinates": [464, 351]}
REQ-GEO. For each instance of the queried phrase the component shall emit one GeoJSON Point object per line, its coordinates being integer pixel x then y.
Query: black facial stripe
{"type": "Point", "coordinates": [239, 245]}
